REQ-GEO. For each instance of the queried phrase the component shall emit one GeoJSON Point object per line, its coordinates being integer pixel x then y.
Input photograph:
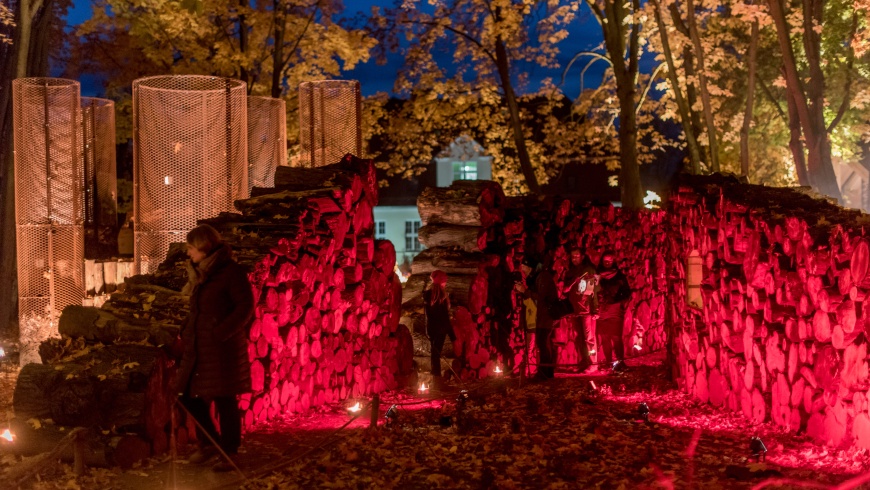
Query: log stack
{"type": "Point", "coordinates": [782, 335]}
{"type": "Point", "coordinates": [638, 241]}
{"type": "Point", "coordinates": [327, 318]}
{"type": "Point", "coordinates": [461, 231]}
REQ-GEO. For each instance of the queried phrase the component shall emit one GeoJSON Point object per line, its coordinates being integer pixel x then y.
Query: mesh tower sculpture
{"type": "Point", "coordinates": [48, 205]}
{"type": "Point", "coordinates": [100, 185]}
{"type": "Point", "coordinates": [190, 157]}
{"type": "Point", "coordinates": [267, 139]}
{"type": "Point", "coordinates": [329, 121]}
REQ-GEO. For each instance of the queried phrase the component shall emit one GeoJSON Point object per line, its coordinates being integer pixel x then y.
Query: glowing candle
{"type": "Point", "coordinates": [355, 408]}
{"type": "Point", "coordinates": [423, 388]}
{"type": "Point", "coordinates": [497, 371]}
{"type": "Point", "coordinates": [2, 352]}
{"type": "Point", "coordinates": [7, 435]}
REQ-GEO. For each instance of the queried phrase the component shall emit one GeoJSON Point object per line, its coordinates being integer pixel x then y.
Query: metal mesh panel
{"type": "Point", "coordinates": [98, 138]}
{"type": "Point", "coordinates": [267, 139]}
{"type": "Point", "coordinates": [190, 158]}
{"type": "Point", "coordinates": [329, 121]}
{"type": "Point", "coordinates": [48, 196]}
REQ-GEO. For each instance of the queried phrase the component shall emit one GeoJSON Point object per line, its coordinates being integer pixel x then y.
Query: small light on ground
{"type": "Point", "coordinates": [498, 370]}
{"type": "Point", "coordinates": [423, 388]}
{"type": "Point", "coordinates": [7, 435]}
{"type": "Point", "coordinates": [2, 352]}
{"type": "Point", "coordinates": [356, 407]}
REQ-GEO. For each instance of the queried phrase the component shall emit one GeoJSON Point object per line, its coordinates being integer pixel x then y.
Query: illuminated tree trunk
{"type": "Point", "coordinates": [685, 110]}
{"type": "Point", "coordinates": [618, 34]}
{"type": "Point", "coordinates": [705, 94]}
{"type": "Point", "coordinates": [243, 43]}
{"type": "Point", "coordinates": [795, 142]}
{"type": "Point", "coordinates": [809, 100]}
{"type": "Point", "coordinates": [503, 65]}
{"type": "Point", "coordinates": [278, 51]}
{"type": "Point", "coordinates": [750, 100]}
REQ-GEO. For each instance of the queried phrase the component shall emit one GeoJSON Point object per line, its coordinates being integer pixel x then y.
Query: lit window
{"type": "Point", "coordinates": [464, 170]}
{"type": "Point", "coordinates": [380, 230]}
{"type": "Point", "coordinates": [412, 244]}
{"type": "Point", "coordinates": [694, 277]}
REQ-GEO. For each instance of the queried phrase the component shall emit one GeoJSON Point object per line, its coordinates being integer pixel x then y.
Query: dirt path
{"type": "Point", "coordinates": [562, 433]}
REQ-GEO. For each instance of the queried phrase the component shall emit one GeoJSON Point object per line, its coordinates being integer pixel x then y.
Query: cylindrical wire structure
{"type": "Point", "coordinates": [49, 215]}
{"type": "Point", "coordinates": [190, 157]}
{"type": "Point", "coordinates": [330, 113]}
{"type": "Point", "coordinates": [100, 173]}
{"type": "Point", "coordinates": [267, 139]}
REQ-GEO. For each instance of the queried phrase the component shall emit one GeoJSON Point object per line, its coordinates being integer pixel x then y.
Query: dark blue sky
{"type": "Point", "coordinates": [585, 34]}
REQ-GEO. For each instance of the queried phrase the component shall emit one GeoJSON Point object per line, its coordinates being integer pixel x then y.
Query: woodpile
{"type": "Point", "coordinates": [461, 230]}
{"type": "Point", "coordinates": [327, 316]}
{"type": "Point", "coordinates": [638, 241]}
{"type": "Point", "coordinates": [782, 335]}
{"type": "Point", "coordinates": [481, 249]}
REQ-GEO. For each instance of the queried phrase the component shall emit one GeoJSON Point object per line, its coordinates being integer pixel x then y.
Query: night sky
{"type": "Point", "coordinates": [585, 35]}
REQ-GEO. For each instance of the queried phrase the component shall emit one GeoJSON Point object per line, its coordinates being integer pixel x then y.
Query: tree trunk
{"type": "Point", "coordinates": [685, 110]}
{"type": "Point", "coordinates": [795, 141]}
{"type": "Point", "coordinates": [750, 100]}
{"type": "Point", "coordinates": [629, 173]}
{"type": "Point", "coordinates": [820, 169]}
{"type": "Point", "coordinates": [243, 43]}
{"type": "Point", "coordinates": [278, 50]}
{"type": "Point", "coordinates": [705, 94]}
{"type": "Point", "coordinates": [503, 64]}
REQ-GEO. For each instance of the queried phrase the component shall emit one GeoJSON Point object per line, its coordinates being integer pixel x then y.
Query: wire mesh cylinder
{"type": "Point", "coordinates": [267, 139]}
{"type": "Point", "coordinates": [329, 121]}
{"type": "Point", "coordinates": [100, 185]}
{"type": "Point", "coordinates": [190, 157]}
{"type": "Point", "coordinates": [48, 203]}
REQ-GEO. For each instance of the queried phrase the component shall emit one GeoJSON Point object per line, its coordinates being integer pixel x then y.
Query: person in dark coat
{"type": "Point", "coordinates": [214, 365]}
{"type": "Point", "coordinates": [613, 296]}
{"type": "Point", "coordinates": [436, 304]}
{"type": "Point", "coordinates": [546, 295]}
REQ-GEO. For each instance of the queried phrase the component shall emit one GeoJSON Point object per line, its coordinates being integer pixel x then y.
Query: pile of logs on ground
{"type": "Point", "coordinates": [326, 328]}
{"type": "Point", "coordinates": [782, 335]}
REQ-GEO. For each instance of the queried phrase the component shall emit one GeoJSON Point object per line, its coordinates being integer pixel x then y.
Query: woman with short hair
{"type": "Point", "coordinates": [214, 365]}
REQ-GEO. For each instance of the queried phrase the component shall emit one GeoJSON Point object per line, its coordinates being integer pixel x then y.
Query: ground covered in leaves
{"type": "Point", "coordinates": [571, 432]}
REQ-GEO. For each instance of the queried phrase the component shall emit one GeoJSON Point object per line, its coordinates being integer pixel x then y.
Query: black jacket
{"type": "Point", "coordinates": [215, 337]}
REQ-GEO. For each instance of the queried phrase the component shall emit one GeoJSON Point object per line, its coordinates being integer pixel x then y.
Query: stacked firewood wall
{"type": "Point", "coordinates": [482, 259]}
{"type": "Point", "coordinates": [327, 316]}
{"type": "Point", "coordinates": [461, 230]}
{"type": "Point", "coordinates": [637, 239]}
{"type": "Point", "coordinates": [782, 335]}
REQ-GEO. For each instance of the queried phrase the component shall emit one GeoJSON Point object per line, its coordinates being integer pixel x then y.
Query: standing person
{"type": "Point", "coordinates": [214, 365]}
{"type": "Point", "coordinates": [499, 294]}
{"type": "Point", "coordinates": [436, 304]}
{"type": "Point", "coordinates": [528, 311]}
{"type": "Point", "coordinates": [580, 285]}
{"type": "Point", "coordinates": [612, 299]}
{"type": "Point", "coordinates": [546, 296]}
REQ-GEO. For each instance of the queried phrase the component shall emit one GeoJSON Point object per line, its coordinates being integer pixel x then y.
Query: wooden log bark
{"type": "Point", "coordinates": [467, 238]}
{"type": "Point", "coordinates": [467, 203]}
{"type": "Point", "coordinates": [121, 386]}
{"type": "Point", "coordinates": [99, 325]}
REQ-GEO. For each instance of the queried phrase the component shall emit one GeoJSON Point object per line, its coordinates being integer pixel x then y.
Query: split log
{"type": "Point", "coordinates": [450, 261]}
{"type": "Point", "coordinates": [467, 238]}
{"type": "Point", "coordinates": [98, 325]}
{"type": "Point", "coordinates": [467, 203]}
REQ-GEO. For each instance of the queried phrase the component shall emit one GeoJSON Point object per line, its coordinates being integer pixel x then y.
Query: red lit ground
{"type": "Point", "coordinates": [556, 434]}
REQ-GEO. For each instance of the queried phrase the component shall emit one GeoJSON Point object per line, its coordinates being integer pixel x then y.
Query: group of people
{"type": "Point", "coordinates": [593, 299]}
{"type": "Point", "coordinates": [212, 348]}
